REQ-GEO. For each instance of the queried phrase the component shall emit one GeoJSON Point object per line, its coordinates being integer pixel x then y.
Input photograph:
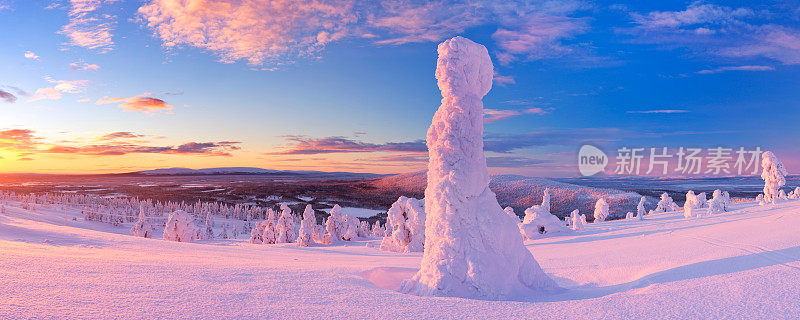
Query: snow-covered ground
{"type": "Point", "coordinates": [740, 264]}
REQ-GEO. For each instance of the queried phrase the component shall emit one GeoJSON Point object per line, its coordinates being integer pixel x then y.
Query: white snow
{"type": "Point", "coordinates": [180, 227]}
{"type": "Point", "coordinates": [357, 212]}
{"type": "Point", "coordinates": [472, 249]}
{"type": "Point", "coordinates": [773, 174]}
{"type": "Point", "coordinates": [742, 263]}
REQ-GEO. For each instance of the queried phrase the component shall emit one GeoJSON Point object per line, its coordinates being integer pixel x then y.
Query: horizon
{"type": "Point", "coordinates": [125, 86]}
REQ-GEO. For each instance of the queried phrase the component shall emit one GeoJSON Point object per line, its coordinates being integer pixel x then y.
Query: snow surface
{"type": "Point", "coordinates": [741, 264]}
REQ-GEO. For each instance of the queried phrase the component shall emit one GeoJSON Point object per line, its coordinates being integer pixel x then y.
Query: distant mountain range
{"type": "Point", "coordinates": [249, 171]}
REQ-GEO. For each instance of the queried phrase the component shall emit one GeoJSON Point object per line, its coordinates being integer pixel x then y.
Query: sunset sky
{"type": "Point", "coordinates": [93, 86]}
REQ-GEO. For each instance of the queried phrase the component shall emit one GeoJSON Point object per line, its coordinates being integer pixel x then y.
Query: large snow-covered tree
{"type": "Point", "coordinates": [335, 225]}
{"type": "Point", "coordinates": [666, 204]}
{"type": "Point", "coordinates": [286, 227]}
{"type": "Point", "coordinates": [472, 248]}
{"type": "Point", "coordinates": [773, 173]}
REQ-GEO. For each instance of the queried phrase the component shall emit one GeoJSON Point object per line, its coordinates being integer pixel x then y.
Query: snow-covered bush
{"type": "Point", "coordinates": [640, 212]}
{"type": "Point", "coordinates": [142, 228]}
{"type": "Point", "coordinates": [690, 205]}
{"type": "Point", "coordinates": [760, 199]}
{"type": "Point", "coordinates": [702, 200]}
{"type": "Point", "coordinates": [629, 215]}
{"type": "Point", "coordinates": [538, 219]}
{"type": "Point", "coordinates": [286, 227]}
{"type": "Point", "coordinates": [773, 173]}
{"type": "Point", "coordinates": [405, 226]}
{"type": "Point", "coordinates": [512, 214]}
{"type": "Point", "coordinates": [307, 227]}
{"type": "Point", "coordinates": [577, 220]}
{"type": "Point", "coordinates": [666, 204]}
{"type": "Point", "coordinates": [782, 195]}
{"type": "Point", "coordinates": [180, 227]}
{"type": "Point", "coordinates": [265, 232]}
{"type": "Point", "coordinates": [600, 210]}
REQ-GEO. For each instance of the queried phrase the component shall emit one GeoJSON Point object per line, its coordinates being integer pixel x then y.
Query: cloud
{"type": "Point", "coordinates": [503, 80]}
{"type": "Point", "coordinates": [506, 143]}
{"type": "Point", "coordinates": [31, 55]}
{"type": "Point", "coordinates": [114, 144]}
{"type": "Point", "coordinates": [56, 92]}
{"type": "Point", "coordinates": [17, 139]}
{"type": "Point", "coordinates": [25, 159]}
{"type": "Point", "coordinates": [736, 68]}
{"type": "Point", "coordinates": [82, 66]}
{"type": "Point", "coordinates": [306, 145]}
{"type": "Point", "coordinates": [720, 31]}
{"type": "Point", "coordinates": [87, 28]}
{"type": "Point", "coordinates": [492, 115]}
{"type": "Point", "coordinates": [658, 111]}
{"type": "Point", "coordinates": [120, 135]}
{"type": "Point", "coordinates": [143, 104]}
{"type": "Point", "coordinates": [278, 32]}
{"type": "Point", "coordinates": [7, 97]}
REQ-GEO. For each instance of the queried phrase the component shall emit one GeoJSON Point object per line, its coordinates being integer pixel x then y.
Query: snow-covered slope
{"type": "Point", "coordinates": [225, 170]}
{"type": "Point", "coordinates": [740, 264]}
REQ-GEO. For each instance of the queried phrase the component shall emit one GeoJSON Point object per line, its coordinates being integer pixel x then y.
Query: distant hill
{"type": "Point", "coordinates": [522, 192]}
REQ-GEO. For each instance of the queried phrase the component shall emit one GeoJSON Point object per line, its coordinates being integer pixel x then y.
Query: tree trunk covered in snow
{"type": "Point", "coordinates": [472, 249]}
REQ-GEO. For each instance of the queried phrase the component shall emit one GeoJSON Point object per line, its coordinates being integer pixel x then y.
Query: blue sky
{"type": "Point", "coordinates": [348, 85]}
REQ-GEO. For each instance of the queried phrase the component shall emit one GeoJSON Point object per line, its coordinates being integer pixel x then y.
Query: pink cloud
{"type": "Point", "coordinates": [87, 28]}
{"type": "Point", "coordinates": [143, 104]}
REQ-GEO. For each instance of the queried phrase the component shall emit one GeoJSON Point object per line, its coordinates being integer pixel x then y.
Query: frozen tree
{"type": "Point", "coordinates": [760, 199]}
{"type": "Point", "coordinates": [773, 173]}
{"type": "Point", "coordinates": [600, 210]}
{"type": "Point", "coordinates": [224, 233]}
{"type": "Point", "coordinates": [335, 225]}
{"type": "Point", "coordinates": [640, 212]}
{"type": "Point", "coordinates": [142, 228]}
{"type": "Point", "coordinates": [405, 222]}
{"type": "Point", "coordinates": [307, 227]}
{"type": "Point", "coordinates": [795, 194]}
{"type": "Point", "coordinates": [782, 195]}
{"type": "Point", "coordinates": [257, 233]}
{"type": "Point", "coordinates": [690, 205]}
{"type": "Point", "coordinates": [702, 200]}
{"type": "Point", "coordinates": [666, 204]}
{"type": "Point", "coordinates": [209, 227]}
{"type": "Point", "coordinates": [235, 232]}
{"type": "Point", "coordinates": [577, 220]}
{"type": "Point", "coordinates": [629, 215]}
{"type": "Point", "coordinates": [180, 227]}
{"type": "Point", "coordinates": [719, 203]}
{"type": "Point", "coordinates": [351, 224]}
{"type": "Point", "coordinates": [512, 214]}
{"type": "Point", "coordinates": [364, 231]}
{"type": "Point", "coordinates": [472, 249]}
{"type": "Point", "coordinates": [538, 219]}
{"type": "Point", "coordinates": [286, 227]}
{"type": "Point", "coordinates": [270, 228]}
{"type": "Point", "coordinates": [378, 230]}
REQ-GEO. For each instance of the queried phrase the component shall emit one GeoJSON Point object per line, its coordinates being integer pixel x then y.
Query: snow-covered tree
{"type": "Point", "coordinates": [270, 232]}
{"type": "Point", "coordinates": [666, 204]}
{"type": "Point", "coordinates": [224, 233]}
{"type": "Point", "coordinates": [307, 227]}
{"type": "Point", "coordinates": [351, 225]}
{"type": "Point", "coordinates": [335, 225]}
{"type": "Point", "coordinates": [795, 194]}
{"type": "Point", "coordinates": [142, 228]}
{"type": "Point", "coordinates": [538, 219]}
{"type": "Point", "coordinates": [378, 231]}
{"type": "Point", "coordinates": [209, 227]}
{"type": "Point", "coordinates": [472, 248]}
{"type": "Point", "coordinates": [782, 195]}
{"type": "Point", "coordinates": [690, 205]}
{"type": "Point", "coordinates": [600, 210]}
{"type": "Point", "coordinates": [364, 230]}
{"type": "Point", "coordinates": [405, 222]}
{"type": "Point", "coordinates": [702, 200]}
{"type": "Point", "coordinates": [629, 215]}
{"type": "Point", "coordinates": [257, 233]}
{"type": "Point", "coordinates": [773, 173]}
{"type": "Point", "coordinates": [640, 211]}
{"type": "Point", "coordinates": [512, 214]}
{"type": "Point", "coordinates": [180, 227]}
{"type": "Point", "coordinates": [577, 220]}
{"type": "Point", "coordinates": [719, 203]}
{"type": "Point", "coordinates": [286, 228]}
{"type": "Point", "coordinates": [760, 199]}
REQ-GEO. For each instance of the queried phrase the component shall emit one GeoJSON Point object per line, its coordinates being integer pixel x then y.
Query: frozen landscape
{"type": "Point", "coordinates": [740, 264]}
